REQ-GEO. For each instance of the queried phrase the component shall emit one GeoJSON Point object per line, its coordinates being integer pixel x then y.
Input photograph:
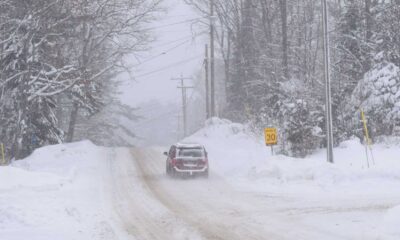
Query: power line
{"type": "Point", "coordinates": [168, 66]}
{"type": "Point", "coordinates": [171, 24]}
{"type": "Point", "coordinates": [191, 36]}
{"type": "Point", "coordinates": [155, 118]}
{"type": "Point", "coordinates": [186, 40]}
{"type": "Point", "coordinates": [162, 53]}
{"type": "Point", "coordinates": [169, 113]}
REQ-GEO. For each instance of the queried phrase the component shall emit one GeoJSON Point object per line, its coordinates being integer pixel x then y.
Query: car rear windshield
{"type": "Point", "coordinates": [190, 152]}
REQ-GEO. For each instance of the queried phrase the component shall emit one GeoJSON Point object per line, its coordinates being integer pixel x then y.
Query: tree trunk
{"type": "Point", "coordinates": [285, 66]}
{"type": "Point", "coordinates": [72, 122]}
{"type": "Point", "coordinates": [227, 64]}
{"type": "Point", "coordinates": [368, 34]}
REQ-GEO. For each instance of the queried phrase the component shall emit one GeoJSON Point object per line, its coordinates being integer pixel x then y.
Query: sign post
{"type": "Point", "coordinates": [271, 138]}
{"type": "Point", "coordinates": [367, 138]}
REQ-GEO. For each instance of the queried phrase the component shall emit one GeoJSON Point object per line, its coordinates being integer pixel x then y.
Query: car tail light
{"type": "Point", "coordinates": [174, 162]}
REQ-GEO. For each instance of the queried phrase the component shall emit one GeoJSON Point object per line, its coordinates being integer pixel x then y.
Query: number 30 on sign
{"type": "Point", "coordinates": [271, 136]}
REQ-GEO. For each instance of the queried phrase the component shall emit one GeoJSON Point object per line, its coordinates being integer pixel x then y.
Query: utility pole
{"type": "Point", "coordinates": [328, 104]}
{"type": "Point", "coordinates": [206, 73]}
{"type": "Point", "coordinates": [212, 60]}
{"type": "Point", "coordinates": [184, 101]}
{"type": "Point", "coordinates": [178, 117]}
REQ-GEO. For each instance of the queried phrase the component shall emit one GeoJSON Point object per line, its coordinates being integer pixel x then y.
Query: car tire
{"type": "Point", "coordinates": [174, 173]}
{"type": "Point", "coordinates": [167, 170]}
{"type": "Point", "coordinates": [205, 174]}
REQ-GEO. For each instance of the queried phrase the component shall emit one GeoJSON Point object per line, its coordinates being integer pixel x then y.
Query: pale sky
{"type": "Point", "coordinates": [174, 52]}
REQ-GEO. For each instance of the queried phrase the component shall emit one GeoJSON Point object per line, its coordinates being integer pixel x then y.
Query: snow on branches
{"type": "Point", "coordinates": [378, 94]}
{"type": "Point", "coordinates": [58, 56]}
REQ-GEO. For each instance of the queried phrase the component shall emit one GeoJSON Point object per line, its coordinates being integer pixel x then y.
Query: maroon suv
{"type": "Point", "coordinates": [187, 159]}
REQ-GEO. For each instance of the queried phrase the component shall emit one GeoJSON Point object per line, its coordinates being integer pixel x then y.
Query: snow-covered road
{"type": "Point", "coordinates": [209, 207]}
{"type": "Point", "coordinates": [154, 206]}
{"type": "Point", "coordinates": [81, 191]}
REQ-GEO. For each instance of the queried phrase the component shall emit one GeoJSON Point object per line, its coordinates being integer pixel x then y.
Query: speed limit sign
{"type": "Point", "coordinates": [271, 136]}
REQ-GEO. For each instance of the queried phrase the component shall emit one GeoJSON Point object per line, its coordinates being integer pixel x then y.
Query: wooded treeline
{"type": "Point", "coordinates": [272, 52]}
{"type": "Point", "coordinates": [57, 62]}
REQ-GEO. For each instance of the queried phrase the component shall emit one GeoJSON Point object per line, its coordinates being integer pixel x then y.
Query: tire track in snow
{"type": "Point", "coordinates": [208, 205]}
{"type": "Point", "coordinates": [143, 217]}
{"type": "Point", "coordinates": [217, 212]}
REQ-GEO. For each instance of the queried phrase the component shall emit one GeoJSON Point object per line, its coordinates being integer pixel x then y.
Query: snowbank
{"type": "Point", "coordinates": [231, 147]}
{"type": "Point", "coordinates": [14, 178]}
{"type": "Point", "coordinates": [390, 226]}
{"type": "Point", "coordinates": [237, 153]}
{"type": "Point", "coordinates": [59, 192]}
{"type": "Point", "coordinates": [347, 193]}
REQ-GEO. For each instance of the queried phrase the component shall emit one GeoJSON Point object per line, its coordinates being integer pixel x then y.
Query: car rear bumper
{"type": "Point", "coordinates": [191, 171]}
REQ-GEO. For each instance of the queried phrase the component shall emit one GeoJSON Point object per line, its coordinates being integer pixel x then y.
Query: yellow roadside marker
{"type": "Point", "coordinates": [2, 154]}
{"type": "Point", "coordinates": [367, 138]}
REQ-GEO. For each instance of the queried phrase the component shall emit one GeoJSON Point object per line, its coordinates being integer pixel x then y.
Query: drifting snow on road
{"type": "Point", "coordinates": [80, 191]}
{"type": "Point", "coordinates": [211, 207]}
{"type": "Point", "coordinates": [252, 195]}
{"type": "Point", "coordinates": [217, 211]}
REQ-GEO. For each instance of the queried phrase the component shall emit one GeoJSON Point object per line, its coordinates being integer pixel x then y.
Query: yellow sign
{"type": "Point", "coordinates": [271, 136]}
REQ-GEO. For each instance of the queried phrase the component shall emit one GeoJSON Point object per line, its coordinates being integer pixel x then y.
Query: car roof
{"type": "Point", "coordinates": [189, 145]}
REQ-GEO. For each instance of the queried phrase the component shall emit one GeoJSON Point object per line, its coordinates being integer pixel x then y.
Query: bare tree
{"type": "Point", "coordinates": [285, 64]}
{"type": "Point", "coordinates": [57, 50]}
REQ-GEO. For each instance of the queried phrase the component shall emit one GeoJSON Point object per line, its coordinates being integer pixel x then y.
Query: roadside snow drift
{"type": "Point", "coordinates": [59, 192]}
{"type": "Point", "coordinates": [245, 162]}
{"type": "Point", "coordinates": [235, 151]}
{"type": "Point", "coordinates": [81, 191]}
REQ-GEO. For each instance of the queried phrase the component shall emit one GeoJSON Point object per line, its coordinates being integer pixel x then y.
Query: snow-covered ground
{"type": "Point", "coordinates": [81, 191]}
{"type": "Point", "coordinates": [356, 200]}
{"type": "Point", "coordinates": [59, 192]}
